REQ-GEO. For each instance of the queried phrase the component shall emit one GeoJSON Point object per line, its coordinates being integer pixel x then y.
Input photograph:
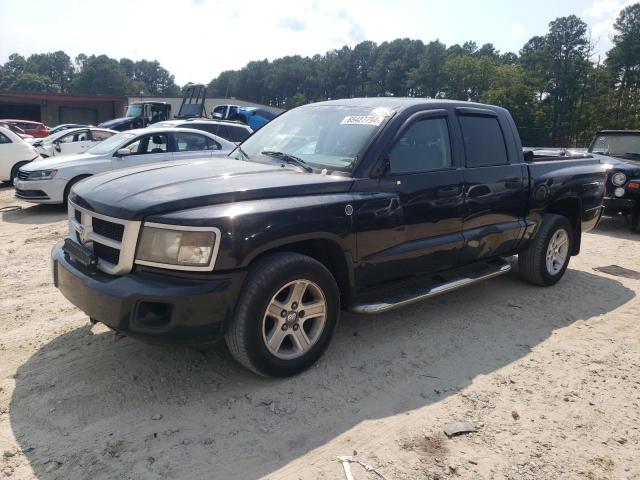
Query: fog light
{"type": "Point", "coordinates": [619, 192]}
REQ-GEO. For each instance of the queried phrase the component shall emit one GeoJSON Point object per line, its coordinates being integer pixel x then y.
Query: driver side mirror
{"type": "Point", "coordinates": [123, 152]}
{"type": "Point", "coordinates": [56, 145]}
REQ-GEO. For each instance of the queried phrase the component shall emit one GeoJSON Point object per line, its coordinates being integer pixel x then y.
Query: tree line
{"type": "Point", "coordinates": [558, 90]}
{"type": "Point", "coordinates": [56, 72]}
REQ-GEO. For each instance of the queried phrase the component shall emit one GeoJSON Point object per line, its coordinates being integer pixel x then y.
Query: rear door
{"type": "Point", "coordinates": [418, 229]}
{"type": "Point", "coordinates": [495, 188]}
{"type": "Point", "coordinates": [150, 148]}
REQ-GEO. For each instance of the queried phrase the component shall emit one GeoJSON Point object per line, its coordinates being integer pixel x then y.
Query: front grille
{"type": "Point", "coordinates": [31, 194]}
{"type": "Point", "coordinates": [113, 240]}
{"type": "Point", "coordinates": [108, 254]}
{"type": "Point", "coordinates": [111, 230]}
{"type": "Point", "coordinates": [23, 175]}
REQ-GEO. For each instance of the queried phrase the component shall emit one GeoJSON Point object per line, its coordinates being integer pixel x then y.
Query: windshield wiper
{"type": "Point", "coordinates": [291, 159]}
{"type": "Point", "coordinates": [632, 154]}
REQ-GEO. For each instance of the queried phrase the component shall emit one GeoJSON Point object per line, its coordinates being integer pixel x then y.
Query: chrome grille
{"type": "Point", "coordinates": [23, 175]}
{"type": "Point", "coordinates": [112, 240]}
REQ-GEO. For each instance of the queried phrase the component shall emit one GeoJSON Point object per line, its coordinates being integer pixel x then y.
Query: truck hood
{"type": "Point", "coordinates": [135, 193]}
{"type": "Point", "coordinates": [629, 166]}
{"type": "Point", "coordinates": [115, 122]}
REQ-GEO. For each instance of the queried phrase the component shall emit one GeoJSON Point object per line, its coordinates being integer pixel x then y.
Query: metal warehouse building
{"type": "Point", "coordinates": [56, 108]}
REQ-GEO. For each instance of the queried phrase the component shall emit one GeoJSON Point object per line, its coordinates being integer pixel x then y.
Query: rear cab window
{"type": "Point", "coordinates": [484, 142]}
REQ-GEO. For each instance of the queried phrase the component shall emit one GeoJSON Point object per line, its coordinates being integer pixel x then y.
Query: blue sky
{"type": "Point", "coordinates": [197, 39]}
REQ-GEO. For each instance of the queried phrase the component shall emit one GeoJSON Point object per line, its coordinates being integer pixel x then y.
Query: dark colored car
{"type": "Point", "coordinates": [623, 183]}
{"type": "Point", "coordinates": [360, 204]}
{"type": "Point", "coordinates": [35, 129]}
{"type": "Point", "coordinates": [139, 115]}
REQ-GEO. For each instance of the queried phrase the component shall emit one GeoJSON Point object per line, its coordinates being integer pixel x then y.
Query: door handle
{"type": "Point", "coordinates": [478, 191]}
{"type": "Point", "coordinates": [448, 192]}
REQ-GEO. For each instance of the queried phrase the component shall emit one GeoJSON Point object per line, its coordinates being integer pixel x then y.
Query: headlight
{"type": "Point", "coordinates": [42, 174]}
{"type": "Point", "coordinates": [186, 248]}
{"type": "Point", "coordinates": [618, 179]}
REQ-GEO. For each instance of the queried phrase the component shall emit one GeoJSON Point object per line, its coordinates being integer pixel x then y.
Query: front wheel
{"type": "Point", "coordinates": [285, 316]}
{"type": "Point", "coordinates": [546, 258]}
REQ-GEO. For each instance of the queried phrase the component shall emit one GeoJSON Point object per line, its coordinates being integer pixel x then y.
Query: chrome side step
{"type": "Point", "coordinates": [463, 278]}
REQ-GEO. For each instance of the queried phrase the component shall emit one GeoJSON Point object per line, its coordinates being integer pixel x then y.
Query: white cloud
{"type": "Point", "coordinates": [517, 30]}
{"type": "Point", "coordinates": [602, 15]}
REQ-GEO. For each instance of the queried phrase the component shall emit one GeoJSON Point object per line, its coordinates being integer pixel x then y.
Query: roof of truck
{"type": "Point", "coordinates": [399, 103]}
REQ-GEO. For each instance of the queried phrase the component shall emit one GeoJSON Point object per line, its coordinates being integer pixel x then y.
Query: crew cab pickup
{"type": "Point", "coordinates": [360, 204]}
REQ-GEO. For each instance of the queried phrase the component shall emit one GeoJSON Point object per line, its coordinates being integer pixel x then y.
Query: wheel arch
{"type": "Point", "coordinates": [323, 248]}
{"type": "Point", "coordinates": [570, 208]}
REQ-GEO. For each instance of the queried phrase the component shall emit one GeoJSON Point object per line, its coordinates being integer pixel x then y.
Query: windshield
{"type": "Point", "coordinates": [134, 110]}
{"type": "Point", "coordinates": [617, 145]}
{"type": "Point", "coordinates": [111, 144]}
{"type": "Point", "coordinates": [323, 136]}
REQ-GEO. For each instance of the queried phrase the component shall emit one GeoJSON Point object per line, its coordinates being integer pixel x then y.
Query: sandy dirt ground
{"type": "Point", "coordinates": [549, 378]}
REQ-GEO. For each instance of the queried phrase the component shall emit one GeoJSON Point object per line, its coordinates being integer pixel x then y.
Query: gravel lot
{"type": "Point", "coordinates": [549, 377]}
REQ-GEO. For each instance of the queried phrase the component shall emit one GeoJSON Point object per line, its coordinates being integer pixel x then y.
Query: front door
{"type": "Point", "coordinates": [414, 226]}
{"type": "Point", "coordinates": [76, 142]}
{"type": "Point", "coordinates": [495, 188]}
{"type": "Point", "coordinates": [145, 149]}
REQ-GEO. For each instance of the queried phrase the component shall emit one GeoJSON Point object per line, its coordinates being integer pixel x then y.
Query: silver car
{"type": "Point", "coordinates": [50, 180]}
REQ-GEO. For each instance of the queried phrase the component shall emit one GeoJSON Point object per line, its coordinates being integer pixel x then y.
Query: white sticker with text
{"type": "Point", "coordinates": [374, 120]}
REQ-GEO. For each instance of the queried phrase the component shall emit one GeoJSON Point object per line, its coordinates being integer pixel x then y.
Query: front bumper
{"type": "Point", "coordinates": [40, 191]}
{"type": "Point", "coordinates": [152, 307]}
{"type": "Point", "coordinates": [616, 204]}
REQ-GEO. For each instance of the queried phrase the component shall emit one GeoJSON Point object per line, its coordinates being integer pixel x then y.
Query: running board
{"type": "Point", "coordinates": [436, 285]}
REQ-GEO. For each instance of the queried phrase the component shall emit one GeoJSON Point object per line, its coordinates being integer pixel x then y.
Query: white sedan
{"type": "Point", "coordinates": [14, 153]}
{"type": "Point", "coordinates": [74, 140]}
{"type": "Point", "coordinates": [49, 180]}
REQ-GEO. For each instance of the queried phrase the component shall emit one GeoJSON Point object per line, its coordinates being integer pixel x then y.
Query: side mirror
{"type": "Point", "coordinates": [123, 152]}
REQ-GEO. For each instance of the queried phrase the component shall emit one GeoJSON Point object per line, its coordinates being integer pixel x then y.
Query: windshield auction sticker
{"type": "Point", "coordinates": [374, 120]}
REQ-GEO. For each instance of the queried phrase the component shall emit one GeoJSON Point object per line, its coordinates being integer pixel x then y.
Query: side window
{"type": "Point", "coordinates": [237, 134]}
{"type": "Point", "coordinates": [4, 138]}
{"type": "Point", "coordinates": [72, 137]}
{"type": "Point", "coordinates": [213, 145]}
{"type": "Point", "coordinates": [148, 144]}
{"type": "Point", "coordinates": [422, 148]}
{"type": "Point", "coordinates": [601, 145]}
{"type": "Point", "coordinates": [483, 141]}
{"type": "Point", "coordinates": [219, 111]}
{"type": "Point", "coordinates": [81, 136]}
{"type": "Point", "coordinates": [190, 142]}
{"type": "Point", "coordinates": [100, 135]}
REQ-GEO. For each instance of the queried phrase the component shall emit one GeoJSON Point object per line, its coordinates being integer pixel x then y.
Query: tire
{"type": "Point", "coordinates": [14, 171]}
{"type": "Point", "coordinates": [269, 286]}
{"type": "Point", "coordinates": [67, 189]}
{"type": "Point", "coordinates": [533, 264]}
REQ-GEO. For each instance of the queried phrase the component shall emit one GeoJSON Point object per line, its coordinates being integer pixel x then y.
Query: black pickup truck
{"type": "Point", "coordinates": [623, 185]}
{"type": "Point", "coordinates": [360, 204]}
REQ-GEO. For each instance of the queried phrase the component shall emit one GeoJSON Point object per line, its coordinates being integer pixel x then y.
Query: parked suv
{"type": "Point", "coordinates": [623, 185]}
{"type": "Point", "coordinates": [232, 131]}
{"type": "Point", "coordinates": [359, 204]}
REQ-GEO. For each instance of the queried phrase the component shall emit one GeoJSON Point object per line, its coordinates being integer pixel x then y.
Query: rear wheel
{"type": "Point", "coordinates": [547, 257]}
{"type": "Point", "coordinates": [285, 315]}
